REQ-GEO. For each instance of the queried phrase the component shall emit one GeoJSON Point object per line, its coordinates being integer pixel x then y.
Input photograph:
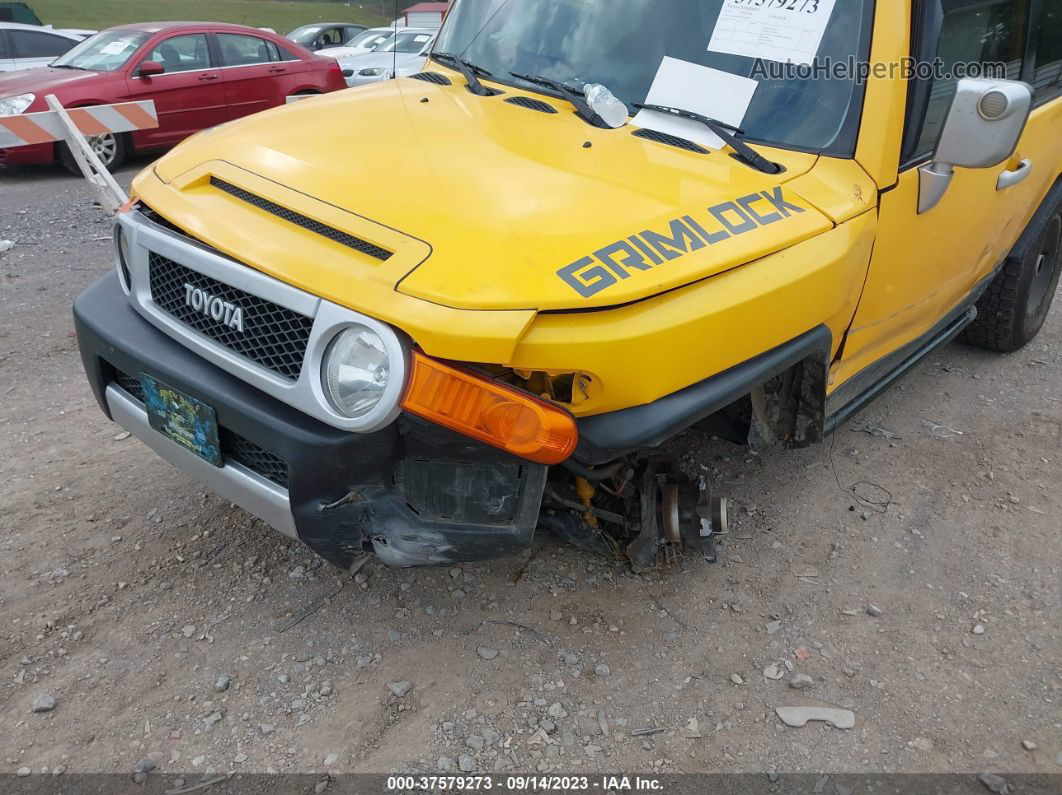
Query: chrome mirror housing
{"type": "Point", "coordinates": [982, 129]}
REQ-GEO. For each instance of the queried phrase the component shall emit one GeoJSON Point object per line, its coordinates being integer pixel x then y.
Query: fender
{"type": "Point", "coordinates": [605, 437]}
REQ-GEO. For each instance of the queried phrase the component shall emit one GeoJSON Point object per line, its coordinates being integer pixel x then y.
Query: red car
{"type": "Point", "coordinates": [198, 74]}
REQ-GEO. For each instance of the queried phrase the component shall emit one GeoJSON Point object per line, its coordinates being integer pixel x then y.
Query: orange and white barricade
{"type": "Point", "coordinates": [72, 127]}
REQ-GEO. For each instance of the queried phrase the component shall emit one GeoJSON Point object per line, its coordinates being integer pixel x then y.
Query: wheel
{"type": "Point", "coordinates": [111, 149]}
{"type": "Point", "coordinates": [1014, 307]}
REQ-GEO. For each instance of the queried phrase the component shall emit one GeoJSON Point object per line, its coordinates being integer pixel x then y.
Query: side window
{"type": "Point", "coordinates": [30, 44]}
{"type": "Point", "coordinates": [240, 50]}
{"type": "Point", "coordinates": [3, 46]}
{"type": "Point", "coordinates": [187, 53]}
{"type": "Point", "coordinates": [1047, 78]}
{"type": "Point", "coordinates": [973, 34]}
{"type": "Point", "coordinates": [330, 37]}
{"type": "Point", "coordinates": [284, 53]}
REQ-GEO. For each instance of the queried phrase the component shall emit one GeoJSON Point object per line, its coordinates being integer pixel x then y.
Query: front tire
{"type": "Point", "coordinates": [1014, 307]}
{"type": "Point", "coordinates": [111, 149]}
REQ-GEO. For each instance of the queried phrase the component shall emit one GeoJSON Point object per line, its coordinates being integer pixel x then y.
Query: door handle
{"type": "Point", "coordinates": [1010, 178]}
{"type": "Point", "coordinates": [277, 69]}
{"type": "Point", "coordinates": [208, 77]}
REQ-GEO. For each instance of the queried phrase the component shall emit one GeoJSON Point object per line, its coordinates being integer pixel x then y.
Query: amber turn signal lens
{"type": "Point", "coordinates": [490, 411]}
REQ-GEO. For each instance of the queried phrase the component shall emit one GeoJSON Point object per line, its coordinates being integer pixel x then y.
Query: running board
{"type": "Point", "coordinates": [907, 358]}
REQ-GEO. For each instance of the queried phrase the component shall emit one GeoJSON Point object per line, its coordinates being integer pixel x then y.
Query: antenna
{"type": "Point", "coordinates": [394, 47]}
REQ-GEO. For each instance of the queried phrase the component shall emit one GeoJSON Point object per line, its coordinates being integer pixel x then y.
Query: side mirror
{"type": "Point", "coordinates": [982, 129]}
{"type": "Point", "coordinates": [149, 68]}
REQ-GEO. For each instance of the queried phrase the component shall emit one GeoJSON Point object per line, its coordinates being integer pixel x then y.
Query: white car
{"type": "Point", "coordinates": [364, 43]}
{"type": "Point", "coordinates": [31, 46]}
{"type": "Point", "coordinates": [401, 56]}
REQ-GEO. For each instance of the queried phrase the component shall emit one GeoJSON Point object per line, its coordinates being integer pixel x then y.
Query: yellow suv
{"type": "Point", "coordinates": [427, 317]}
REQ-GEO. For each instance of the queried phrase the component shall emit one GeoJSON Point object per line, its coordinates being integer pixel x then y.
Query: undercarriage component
{"type": "Point", "coordinates": [646, 511]}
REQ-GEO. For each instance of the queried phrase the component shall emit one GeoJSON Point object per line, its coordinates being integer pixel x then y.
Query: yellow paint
{"type": "Point", "coordinates": [881, 128]}
{"type": "Point", "coordinates": [925, 265]}
{"type": "Point", "coordinates": [482, 203]}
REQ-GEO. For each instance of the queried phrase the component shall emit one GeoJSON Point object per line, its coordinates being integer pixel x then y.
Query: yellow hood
{"type": "Point", "coordinates": [485, 204]}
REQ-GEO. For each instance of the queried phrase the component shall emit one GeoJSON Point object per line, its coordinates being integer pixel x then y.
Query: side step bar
{"type": "Point", "coordinates": [895, 367]}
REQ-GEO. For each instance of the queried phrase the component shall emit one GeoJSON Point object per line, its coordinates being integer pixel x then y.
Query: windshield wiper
{"type": "Point", "coordinates": [67, 66]}
{"type": "Point", "coordinates": [727, 132]}
{"type": "Point", "coordinates": [470, 71]}
{"type": "Point", "coordinates": [574, 96]}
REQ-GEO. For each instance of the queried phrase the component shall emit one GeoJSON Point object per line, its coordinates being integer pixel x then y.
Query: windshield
{"type": "Point", "coordinates": [305, 35]}
{"type": "Point", "coordinates": [624, 44]}
{"type": "Point", "coordinates": [405, 43]}
{"type": "Point", "coordinates": [370, 39]}
{"type": "Point", "coordinates": [105, 52]}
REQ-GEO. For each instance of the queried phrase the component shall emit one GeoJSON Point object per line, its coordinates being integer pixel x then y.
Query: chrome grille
{"type": "Point", "coordinates": [273, 336]}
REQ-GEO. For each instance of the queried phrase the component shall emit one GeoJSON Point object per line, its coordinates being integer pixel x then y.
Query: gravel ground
{"type": "Point", "coordinates": [145, 622]}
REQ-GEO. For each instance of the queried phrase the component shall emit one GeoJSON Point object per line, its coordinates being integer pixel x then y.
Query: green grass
{"type": "Point", "coordinates": [276, 14]}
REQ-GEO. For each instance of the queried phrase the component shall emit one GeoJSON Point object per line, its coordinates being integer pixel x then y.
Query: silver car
{"type": "Point", "coordinates": [402, 55]}
{"type": "Point", "coordinates": [31, 46]}
{"type": "Point", "coordinates": [362, 44]}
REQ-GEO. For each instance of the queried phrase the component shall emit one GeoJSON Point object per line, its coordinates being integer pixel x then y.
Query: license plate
{"type": "Point", "coordinates": [189, 422]}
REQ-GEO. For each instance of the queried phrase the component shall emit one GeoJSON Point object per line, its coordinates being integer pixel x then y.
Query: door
{"type": "Point", "coordinates": [188, 95]}
{"type": "Point", "coordinates": [334, 36]}
{"type": "Point", "coordinates": [32, 49]}
{"type": "Point", "coordinates": [256, 75]}
{"type": "Point", "coordinates": [926, 265]}
{"type": "Point", "coordinates": [351, 31]}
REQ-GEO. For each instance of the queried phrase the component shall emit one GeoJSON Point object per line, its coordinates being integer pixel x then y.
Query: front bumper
{"type": "Point", "coordinates": [32, 155]}
{"type": "Point", "coordinates": [414, 493]}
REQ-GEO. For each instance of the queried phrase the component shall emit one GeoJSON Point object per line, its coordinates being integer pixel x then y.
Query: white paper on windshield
{"type": "Point", "coordinates": [789, 31]}
{"type": "Point", "coordinates": [690, 86]}
{"type": "Point", "coordinates": [114, 48]}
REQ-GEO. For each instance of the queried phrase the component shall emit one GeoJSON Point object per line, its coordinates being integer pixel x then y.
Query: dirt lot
{"type": "Point", "coordinates": [153, 613]}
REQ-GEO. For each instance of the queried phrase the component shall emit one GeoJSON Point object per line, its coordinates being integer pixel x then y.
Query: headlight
{"type": "Point", "coordinates": [12, 106]}
{"type": "Point", "coordinates": [123, 256]}
{"type": "Point", "coordinates": [374, 72]}
{"type": "Point", "coordinates": [357, 371]}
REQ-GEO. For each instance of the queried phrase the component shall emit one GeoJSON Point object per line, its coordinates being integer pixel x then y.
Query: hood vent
{"type": "Point", "coordinates": [531, 104]}
{"type": "Point", "coordinates": [299, 219]}
{"type": "Point", "coordinates": [670, 140]}
{"type": "Point", "coordinates": [432, 77]}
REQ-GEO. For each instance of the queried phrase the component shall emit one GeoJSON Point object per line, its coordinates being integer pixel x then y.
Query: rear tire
{"type": "Point", "coordinates": [1014, 307]}
{"type": "Point", "coordinates": [111, 149]}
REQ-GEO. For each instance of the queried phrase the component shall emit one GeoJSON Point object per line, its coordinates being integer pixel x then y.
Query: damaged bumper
{"type": "Point", "coordinates": [413, 493]}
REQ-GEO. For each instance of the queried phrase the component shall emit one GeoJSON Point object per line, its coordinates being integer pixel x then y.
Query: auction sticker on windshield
{"type": "Point", "coordinates": [789, 31]}
{"type": "Point", "coordinates": [115, 48]}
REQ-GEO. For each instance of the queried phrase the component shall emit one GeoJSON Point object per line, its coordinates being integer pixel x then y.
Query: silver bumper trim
{"type": "Point", "coordinates": [256, 495]}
